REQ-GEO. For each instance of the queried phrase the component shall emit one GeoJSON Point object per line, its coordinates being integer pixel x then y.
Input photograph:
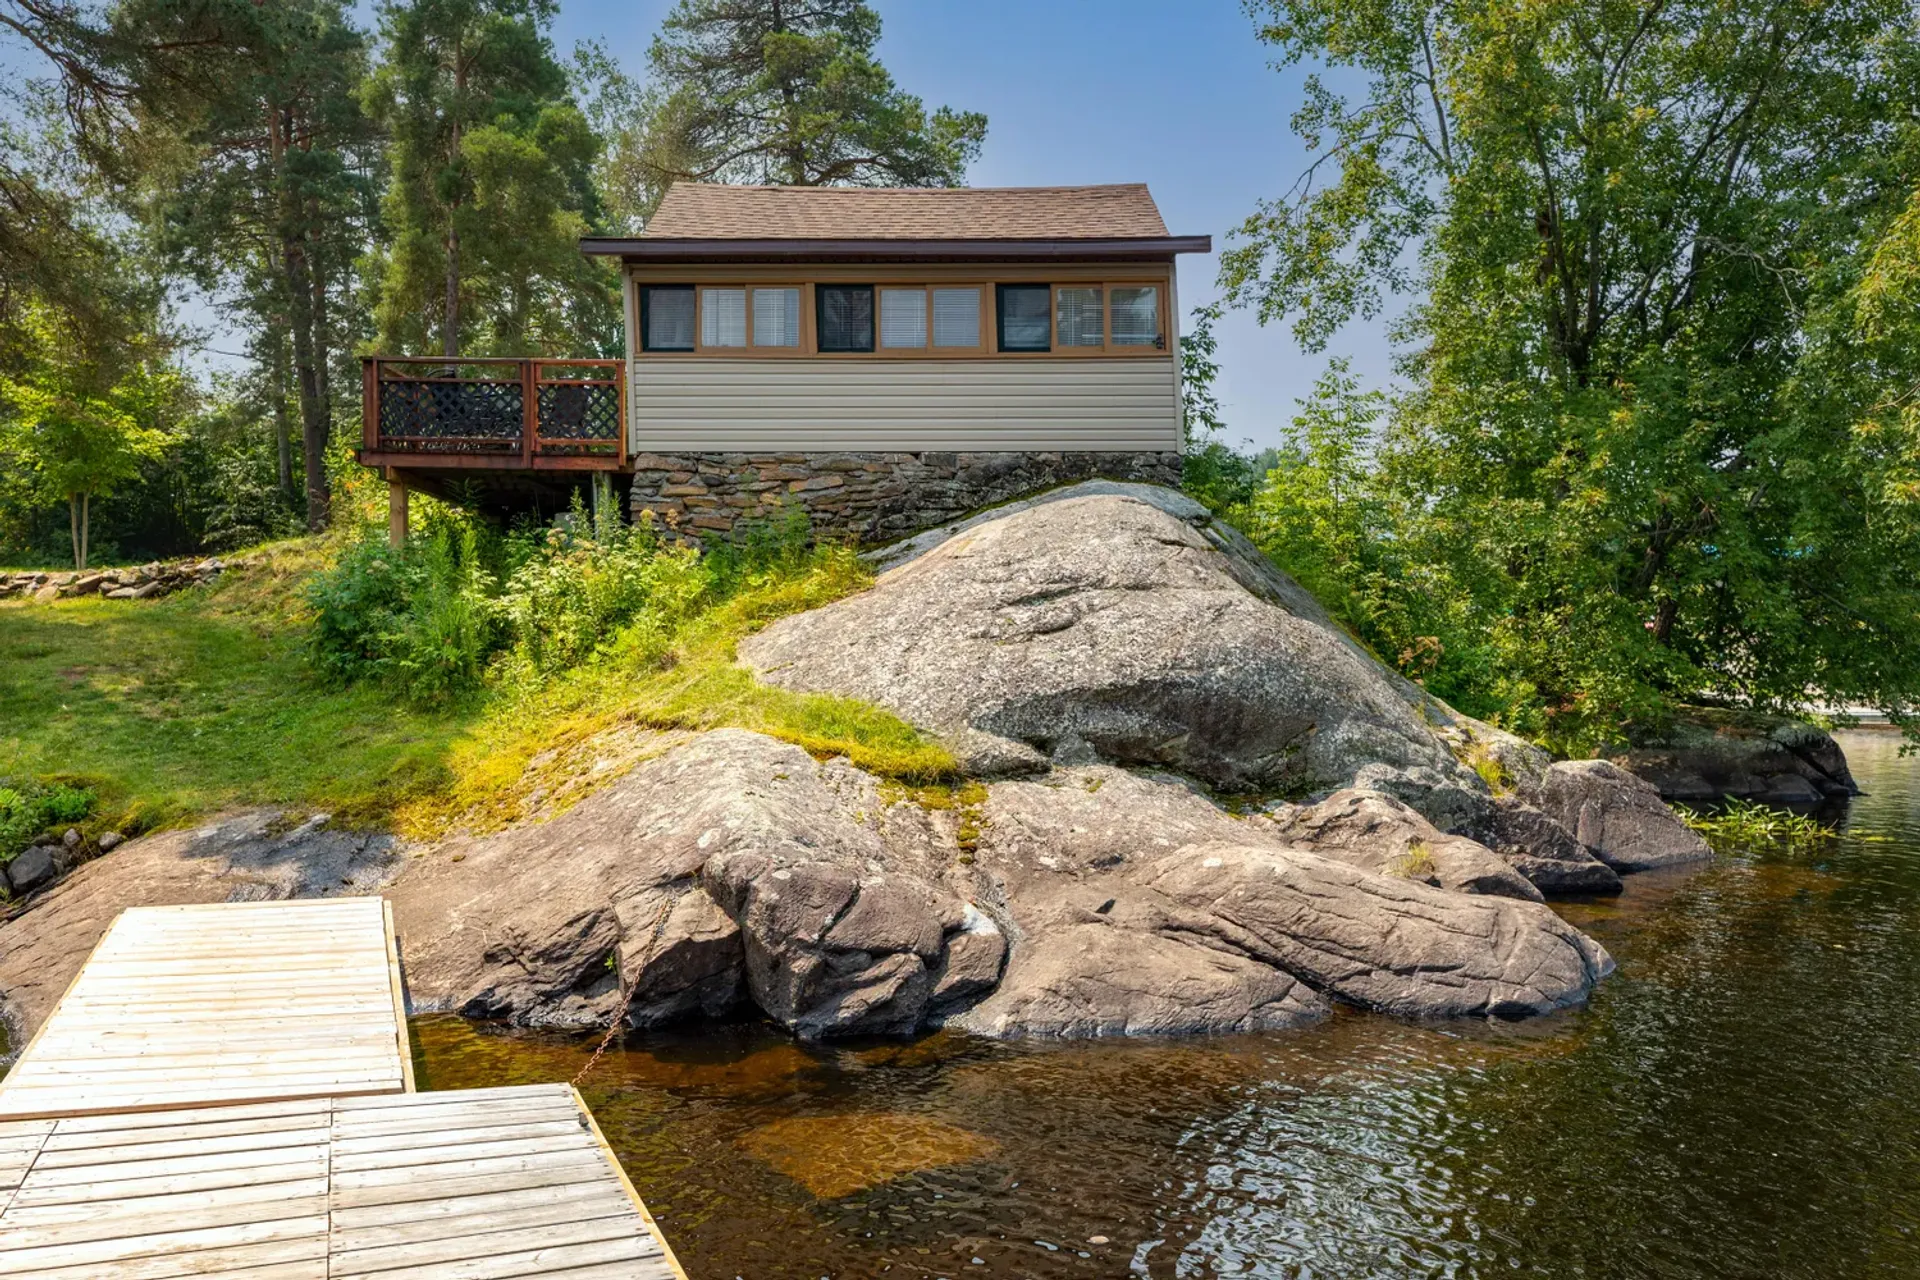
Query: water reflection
{"type": "Point", "coordinates": [1742, 1099]}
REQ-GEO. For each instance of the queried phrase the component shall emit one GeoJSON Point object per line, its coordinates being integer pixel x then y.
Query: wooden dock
{"type": "Point", "coordinates": [179, 1006]}
{"type": "Point", "coordinates": [140, 1141]}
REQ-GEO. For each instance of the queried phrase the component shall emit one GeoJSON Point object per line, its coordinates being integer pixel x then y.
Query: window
{"type": "Point", "coordinates": [1024, 320]}
{"type": "Point", "coordinates": [845, 318]}
{"type": "Point", "coordinates": [666, 317]}
{"type": "Point", "coordinates": [903, 318]}
{"type": "Point", "coordinates": [956, 318]}
{"type": "Point", "coordinates": [1077, 318]}
{"type": "Point", "coordinates": [1136, 316]}
{"type": "Point", "coordinates": [776, 317]}
{"type": "Point", "coordinates": [723, 317]}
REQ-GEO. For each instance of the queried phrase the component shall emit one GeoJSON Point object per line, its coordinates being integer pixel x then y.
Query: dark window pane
{"type": "Point", "coordinates": [845, 316]}
{"type": "Point", "coordinates": [1024, 317]}
{"type": "Point", "coordinates": [666, 317]}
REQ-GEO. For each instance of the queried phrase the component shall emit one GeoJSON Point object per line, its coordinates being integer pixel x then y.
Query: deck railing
{"type": "Point", "coordinates": [495, 411]}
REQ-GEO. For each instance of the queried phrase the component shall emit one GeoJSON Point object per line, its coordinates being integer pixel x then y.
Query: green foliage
{"type": "Point", "coordinates": [763, 91]}
{"type": "Point", "coordinates": [30, 808]}
{"type": "Point", "coordinates": [492, 168]}
{"type": "Point", "coordinates": [1742, 822]}
{"type": "Point", "coordinates": [456, 606]}
{"type": "Point", "coordinates": [1648, 448]}
{"type": "Point", "coordinates": [76, 424]}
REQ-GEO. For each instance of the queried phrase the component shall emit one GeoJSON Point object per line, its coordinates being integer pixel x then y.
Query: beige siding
{"type": "Point", "coordinates": [887, 404]}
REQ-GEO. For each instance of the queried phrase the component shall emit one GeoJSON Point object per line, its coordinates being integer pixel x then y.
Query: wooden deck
{"type": "Point", "coordinates": [234, 1002]}
{"type": "Point", "coordinates": [478, 1184]}
{"type": "Point", "coordinates": [173, 1118]}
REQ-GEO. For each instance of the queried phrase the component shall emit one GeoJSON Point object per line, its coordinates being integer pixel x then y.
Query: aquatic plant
{"type": "Point", "coordinates": [1745, 822]}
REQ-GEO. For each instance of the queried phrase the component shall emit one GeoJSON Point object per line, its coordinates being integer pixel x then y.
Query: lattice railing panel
{"type": "Point", "coordinates": [450, 416]}
{"type": "Point", "coordinates": [579, 416]}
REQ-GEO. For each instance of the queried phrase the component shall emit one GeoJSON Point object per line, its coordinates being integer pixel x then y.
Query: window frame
{"type": "Point", "coordinates": [988, 283]}
{"type": "Point", "coordinates": [1000, 317]}
{"type": "Point", "coordinates": [641, 304]}
{"type": "Point", "coordinates": [873, 336]}
{"type": "Point", "coordinates": [804, 346]}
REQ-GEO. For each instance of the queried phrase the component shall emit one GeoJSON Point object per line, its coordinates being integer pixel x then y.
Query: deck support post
{"type": "Point", "coordinates": [396, 508]}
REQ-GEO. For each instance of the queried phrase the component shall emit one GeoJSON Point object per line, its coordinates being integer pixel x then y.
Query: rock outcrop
{"type": "Point", "coordinates": [1106, 624]}
{"type": "Point", "coordinates": [1619, 817]}
{"type": "Point", "coordinates": [1711, 753]}
{"type": "Point", "coordinates": [1196, 805]}
{"type": "Point", "coordinates": [1373, 830]}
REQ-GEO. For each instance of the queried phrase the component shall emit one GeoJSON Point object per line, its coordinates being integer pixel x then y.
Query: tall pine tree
{"type": "Point", "coordinates": [782, 92]}
{"type": "Point", "coordinates": [491, 186]}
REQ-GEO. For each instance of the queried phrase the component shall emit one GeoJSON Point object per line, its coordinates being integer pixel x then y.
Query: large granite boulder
{"type": "Point", "coordinates": [1543, 851]}
{"type": "Point", "coordinates": [1107, 624]}
{"type": "Point", "coordinates": [1051, 906]}
{"type": "Point", "coordinates": [731, 868]}
{"type": "Point", "coordinates": [1619, 817]}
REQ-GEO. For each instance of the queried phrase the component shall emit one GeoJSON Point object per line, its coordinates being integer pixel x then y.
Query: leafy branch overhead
{"type": "Point", "coordinates": [1650, 266]}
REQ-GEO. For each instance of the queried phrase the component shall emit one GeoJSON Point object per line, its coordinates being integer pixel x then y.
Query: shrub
{"type": "Point", "coordinates": [420, 618]}
{"type": "Point", "coordinates": [29, 809]}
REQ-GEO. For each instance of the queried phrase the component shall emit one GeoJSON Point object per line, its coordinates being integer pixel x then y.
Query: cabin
{"type": "Point", "coordinates": [882, 358]}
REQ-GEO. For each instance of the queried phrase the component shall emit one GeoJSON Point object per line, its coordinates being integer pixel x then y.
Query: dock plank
{"type": "Point", "coordinates": [503, 1184]}
{"type": "Point", "coordinates": [221, 1003]}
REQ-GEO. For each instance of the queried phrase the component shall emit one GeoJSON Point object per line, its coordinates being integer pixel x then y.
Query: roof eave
{"type": "Point", "coordinates": [690, 249]}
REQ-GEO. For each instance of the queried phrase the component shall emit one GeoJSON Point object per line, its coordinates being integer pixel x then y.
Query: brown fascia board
{"type": "Point", "coordinates": [647, 249]}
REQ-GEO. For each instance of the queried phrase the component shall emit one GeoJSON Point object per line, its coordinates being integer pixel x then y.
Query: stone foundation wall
{"type": "Point", "coordinates": [872, 497]}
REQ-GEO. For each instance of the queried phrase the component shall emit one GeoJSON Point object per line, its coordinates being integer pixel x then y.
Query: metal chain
{"type": "Point", "coordinates": [626, 1001]}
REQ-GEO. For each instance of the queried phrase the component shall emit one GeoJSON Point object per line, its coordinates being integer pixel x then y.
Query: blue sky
{"type": "Point", "coordinates": [1176, 93]}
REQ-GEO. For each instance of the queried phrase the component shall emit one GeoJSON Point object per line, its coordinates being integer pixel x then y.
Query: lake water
{"type": "Point", "coordinates": [1742, 1099]}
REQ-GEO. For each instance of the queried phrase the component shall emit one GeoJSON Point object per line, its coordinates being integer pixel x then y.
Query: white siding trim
{"type": "Point", "coordinates": [894, 405]}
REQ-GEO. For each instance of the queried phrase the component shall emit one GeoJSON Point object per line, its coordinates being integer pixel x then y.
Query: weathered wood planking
{"type": "Point", "coordinates": [222, 1003]}
{"type": "Point", "coordinates": [480, 1184]}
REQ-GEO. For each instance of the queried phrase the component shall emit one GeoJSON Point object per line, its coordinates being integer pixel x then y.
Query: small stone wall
{"type": "Point", "coordinates": [871, 497]}
{"type": "Point", "coordinates": [143, 582]}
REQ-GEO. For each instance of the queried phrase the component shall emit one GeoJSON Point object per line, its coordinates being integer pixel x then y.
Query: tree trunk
{"type": "Point", "coordinates": [299, 286]}
{"type": "Point", "coordinates": [73, 528]}
{"type": "Point", "coordinates": [86, 526]}
{"type": "Point", "coordinates": [282, 427]}
{"type": "Point", "coordinates": [450, 331]}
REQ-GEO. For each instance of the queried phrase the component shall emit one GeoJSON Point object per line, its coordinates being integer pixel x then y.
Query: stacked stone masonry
{"type": "Point", "coordinates": [871, 497]}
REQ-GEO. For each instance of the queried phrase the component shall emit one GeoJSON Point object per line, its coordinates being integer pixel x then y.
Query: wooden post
{"type": "Point", "coordinates": [370, 403]}
{"type": "Point", "coordinates": [529, 410]}
{"type": "Point", "coordinates": [396, 508]}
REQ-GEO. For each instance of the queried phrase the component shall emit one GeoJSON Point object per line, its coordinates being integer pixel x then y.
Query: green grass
{"type": "Point", "coordinates": [174, 708]}
{"type": "Point", "coordinates": [177, 708]}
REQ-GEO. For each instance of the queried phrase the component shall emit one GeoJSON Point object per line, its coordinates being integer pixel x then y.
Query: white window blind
{"type": "Point", "coordinates": [1077, 323]}
{"type": "Point", "coordinates": [776, 317]}
{"type": "Point", "coordinates": [723, 317]}
{"type": "Point", "coordinates": [1136, 316]}
{"type": "Point", "coordinates": [903, 318]}
{"type": "Point", "coordinates": [956, 317]}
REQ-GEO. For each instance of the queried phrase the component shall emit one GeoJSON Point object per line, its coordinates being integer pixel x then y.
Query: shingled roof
{"type": "Point", "coordinates": [708, 211]}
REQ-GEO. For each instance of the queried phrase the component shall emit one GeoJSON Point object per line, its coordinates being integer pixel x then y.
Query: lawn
{"type": "Point", "coordinates": [175, 708]}
{"type": "Point", "coordinates": [183, 706]}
